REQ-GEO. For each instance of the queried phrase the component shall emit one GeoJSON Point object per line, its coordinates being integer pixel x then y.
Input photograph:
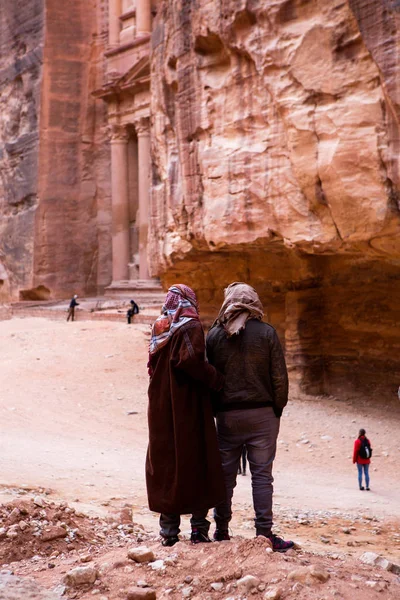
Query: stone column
{"type": "Point", "coordinates": [143, 134]}
{"type": "Point", "coordinates": [120, 203]}
{"type": "Point", "coordinates": [143, 17]}
{"type": "Point", "coordinates": [114, 26]}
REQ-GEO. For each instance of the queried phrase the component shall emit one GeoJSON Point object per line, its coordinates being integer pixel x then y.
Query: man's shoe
{"type": "Point", "coordinates": [170, 541]}
{"type": "Point", "coordinates": [221, 535]}
{"type": "Point", "coordinates": [199, 537]}
{"type": "Point", "coordinates": [362, 488]}
{"type": "Point", "coordinates": [278, 544]}
{"type": "Point", "coordinates": [368, 489]}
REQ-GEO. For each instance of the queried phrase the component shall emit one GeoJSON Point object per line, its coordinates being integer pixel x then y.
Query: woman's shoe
{"type": "Point", "coordinates": [362, 488]}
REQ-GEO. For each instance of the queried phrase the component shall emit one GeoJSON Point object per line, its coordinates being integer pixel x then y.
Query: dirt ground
{"type": "Point", "coordinates": [73, 429]}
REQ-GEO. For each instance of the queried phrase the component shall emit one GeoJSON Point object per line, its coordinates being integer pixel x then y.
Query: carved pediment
{"type": "Point", "coordinates": [137, 74]}
{"type": "Point", "coordinates": [135, 78]}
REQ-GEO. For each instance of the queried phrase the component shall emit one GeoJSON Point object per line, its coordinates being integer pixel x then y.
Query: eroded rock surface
{"type": "Point", "coordinates": [55, 222]}
{"type": "Point", "coordinates": [275, 147]}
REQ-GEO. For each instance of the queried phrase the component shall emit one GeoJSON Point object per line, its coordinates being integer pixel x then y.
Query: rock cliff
{"type": "Point", "coordinates": [55, 217]}
{"type": "Point", "coordinates": [276, 161]}
{"type": "Point", "coordinates": [21, 49]}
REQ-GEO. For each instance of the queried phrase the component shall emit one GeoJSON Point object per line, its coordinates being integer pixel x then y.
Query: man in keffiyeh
{"type": "Point", "coordinates": [183, 465]}
{"type": "Point", "coordinates": [249, 354]}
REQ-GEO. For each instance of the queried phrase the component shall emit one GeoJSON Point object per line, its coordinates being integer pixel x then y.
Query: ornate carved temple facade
{"type": "Point", "coordinates": [126, 91]}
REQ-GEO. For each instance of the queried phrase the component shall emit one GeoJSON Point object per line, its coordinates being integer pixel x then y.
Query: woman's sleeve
{"type": "Point", "coordinates": [188, 355]}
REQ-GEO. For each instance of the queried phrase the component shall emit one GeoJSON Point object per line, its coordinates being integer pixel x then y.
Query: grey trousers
{"type": "Point", "coordinates": [258, 429]}
{"type": "Point", "coordinates": [169, 524]}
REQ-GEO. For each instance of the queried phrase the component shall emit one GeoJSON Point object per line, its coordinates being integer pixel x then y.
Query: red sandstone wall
{"type": "Point", "coordinates": [276, 161]}
{"type": "Point", "coordinates": [72, 228]}
{"type": "Point", "coordinates": [21, 42]}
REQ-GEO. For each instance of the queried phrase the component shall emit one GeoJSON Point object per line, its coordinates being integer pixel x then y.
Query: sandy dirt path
{"type": "Point", "coordinates": [65, 393]}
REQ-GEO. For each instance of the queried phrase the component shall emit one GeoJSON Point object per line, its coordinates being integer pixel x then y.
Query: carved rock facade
{"type": "Point", "coordinates": [275, 145]}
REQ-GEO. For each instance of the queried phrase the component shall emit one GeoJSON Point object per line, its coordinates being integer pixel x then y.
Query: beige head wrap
{"type": "Point", "coordinates": [241, 304]}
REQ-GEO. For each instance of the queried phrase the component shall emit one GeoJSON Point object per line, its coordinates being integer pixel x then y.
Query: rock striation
{"type": "Point", "coordinates": [55, 224]}
{"type": "Point", "coordinates": [275, 144]}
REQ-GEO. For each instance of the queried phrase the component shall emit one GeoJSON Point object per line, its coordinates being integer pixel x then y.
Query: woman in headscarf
{"type": "Point", "coordinates": [183, 465]}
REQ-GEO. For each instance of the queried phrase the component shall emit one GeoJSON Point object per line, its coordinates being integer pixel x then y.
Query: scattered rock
{"type": "Point", "coordinates": [187, 591]}
{"type": "Point", "coordinates": [157, 565]}
{"type": "Point", "coordinates": [379, 586]}
{"type": "Point", "coordinates": [309, 575]}
{"type": "Point", "coordinates": [141, 554]}
{"type": "Point", "coordinates": [247, 583]}
{"type": "Point", "coordinates": [85, 558]}
{"type": "Point", "coordinates": [188, 579]}
{"type": "Point", "coordinates": [38, 501]}
{"type": "Point", "coordinates": [13, 588]}
{"type": "Point", "coordinates": [81, 576]}
{"type": "Point", "coordinates": [53, 533]}
{"type": "Point", "coordinates": [375, 560]}
{"type": "Point", "coordinates": [138, 593]}
{"type": "Point", "coordinates": [217, 586]}
{"type": "Point", "coordinates": [273, 593]}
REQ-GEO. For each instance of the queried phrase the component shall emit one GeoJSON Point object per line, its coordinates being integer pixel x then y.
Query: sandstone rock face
{"type": "Point", "coordinates": [275, 149]}
{"type": "Point", "coordinates": [55, 218]}
{"type": "Point", "coordinates": [21, 48]}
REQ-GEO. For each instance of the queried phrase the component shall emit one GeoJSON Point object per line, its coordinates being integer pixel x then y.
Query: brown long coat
{"type": "Point", "coordinates": [183, 465]}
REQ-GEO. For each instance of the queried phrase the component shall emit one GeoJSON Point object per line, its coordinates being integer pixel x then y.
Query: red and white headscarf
{"type": "Point", "coordinates": [180, 307]}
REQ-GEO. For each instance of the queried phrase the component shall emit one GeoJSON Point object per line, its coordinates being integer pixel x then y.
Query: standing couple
{"type": "Point", "coordinates": [191, 466]}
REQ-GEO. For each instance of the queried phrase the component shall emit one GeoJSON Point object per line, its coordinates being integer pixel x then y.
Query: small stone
{"type": "Point", "coordinates": [346, 530]}
{"type": "Point", "coordinates": [187, 591]}
{"type": "Point", "coordinates": [53, 533]}
{"type": "Point", "coordinates": [23, 525]}
{"type": "Point", "coordinates": [38, 501]}
{"type": "Point", "coordinates": [309, 575]}
{"type": "Point", "coordinates": [261, 587]}
{"type": "Point", "coordinates": [273, 593]}
{"type": "Point", "coordinates": [157, 565]}
{"type": "Point", "coordinates": [217, 586]}
{"type": "Point", "coordinates": [379, 586]}
{"type": "Point", "coordinates": [80, 576]}
{"type": "Point", "coordinates": [248, 582]}
{"type": "Point", "coordinates": [142, 583]}
{"type": "Point", "coordinates": [188, 579]}
{"type": "Point", "coordinates": [141, 554]}
{"type": "Point", "coordinates": [238, 573]}
{"type": "Point", "coordinates": [85, 558]}
{"type": "Point", "coordinates": [324, 540]}
{"type": "Point", "coordinates": [137, 593]}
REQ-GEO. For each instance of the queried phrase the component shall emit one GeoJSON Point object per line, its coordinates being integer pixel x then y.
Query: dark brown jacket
{"type": "Point", "coordinates": [254, 367]}
{"type": "Point", "coordinates": [183, 465]}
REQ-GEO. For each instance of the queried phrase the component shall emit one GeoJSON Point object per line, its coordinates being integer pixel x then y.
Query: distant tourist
{"type": "Point", "coordinates": [183, 465]}
{"type": "Point", "coordinates": [71, 310]}
{"type": "Point", "coordinates": [243, 464]}
{"type": "Point", "coordinates": [362, 458]}
{"type": "Point", "coordinates": [248, 353]}
{"type": "Point", "coordinates": [132, 310]}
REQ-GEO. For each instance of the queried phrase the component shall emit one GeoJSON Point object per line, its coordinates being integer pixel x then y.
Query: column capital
{"type": "Point", "coordinates": [142, 126]}
{"type": "Point", "coordinates": [118, 133]}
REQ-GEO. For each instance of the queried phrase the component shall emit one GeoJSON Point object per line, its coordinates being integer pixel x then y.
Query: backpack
{"type": "Point", "coordinates": [365, 449]}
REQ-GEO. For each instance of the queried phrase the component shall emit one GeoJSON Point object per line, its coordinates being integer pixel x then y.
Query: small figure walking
{"type": "Point", "coordinates": [71, 310]}
{"type": "Point", "coordinates": [362, 457]}
{"type": "Point", "coordinates": [132, 310]}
